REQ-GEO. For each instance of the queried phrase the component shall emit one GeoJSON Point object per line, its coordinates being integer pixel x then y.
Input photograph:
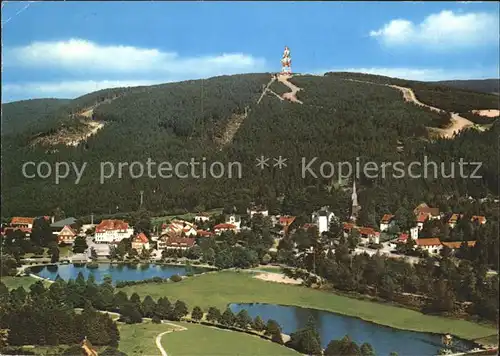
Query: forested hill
{"type": "Point", "coordinates": [17, 116]}
{"type": "Point", "coordinates": [482, 85]}
{"type": "Point", "coordinates": [218, 119]}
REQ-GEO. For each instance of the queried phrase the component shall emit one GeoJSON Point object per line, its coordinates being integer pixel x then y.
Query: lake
{"type": "Point", "coordinates": [118, 272]}
{"type": "Point", "coordinates": [330, 326]}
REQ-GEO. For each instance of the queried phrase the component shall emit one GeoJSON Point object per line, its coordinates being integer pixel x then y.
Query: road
{"type": "Point", "coordinates": [292, 95]}
{"type": "Point", "coordinates": [158, 337]}
{"type": "Point", "coordinates": [457, 122]}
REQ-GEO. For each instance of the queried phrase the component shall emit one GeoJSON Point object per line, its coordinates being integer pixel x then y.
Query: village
{"type": "Point", "coordinates": [177, 236]}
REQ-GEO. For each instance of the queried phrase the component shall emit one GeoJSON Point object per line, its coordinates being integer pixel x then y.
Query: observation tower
{"type": "Point", "coordinates": [286, 62]}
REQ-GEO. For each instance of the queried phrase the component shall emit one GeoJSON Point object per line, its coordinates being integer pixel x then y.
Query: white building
{"type": "Point", "coordinates": [432, 245]}
{"type": "Point", "coordinates": [322, 219]}
{"type": "Point", "coordinates": [257, 210]}
{"type": "Point", "coordinates": [201, 217]}
{"type": "Point", "coordinates": [387, 222]}
{"type": "Point", "coordinates": [414, 232]}
{"type": "Point", "coordinates": [234, 220]}
{"type": "Point", "coordinates": [112, 231]}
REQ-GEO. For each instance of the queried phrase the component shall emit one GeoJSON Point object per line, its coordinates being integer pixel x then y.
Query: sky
{"type": "Point", "coordinates": [67, 49]}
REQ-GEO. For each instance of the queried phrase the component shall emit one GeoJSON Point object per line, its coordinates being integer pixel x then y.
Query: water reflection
{"type": "Point", "coordinates": [334, 326]}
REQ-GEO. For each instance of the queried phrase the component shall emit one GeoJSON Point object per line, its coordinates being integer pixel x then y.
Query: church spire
{"type": "Point", "coordinates": [354, 196]}
{"type": "Point", "coordinates": [355, 206]}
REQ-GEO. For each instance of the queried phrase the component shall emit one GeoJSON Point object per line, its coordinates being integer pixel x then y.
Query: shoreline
{"type": "Point", "coordinates": [343, 313]}
{"type": "Point", "coordinates": [471, 341]}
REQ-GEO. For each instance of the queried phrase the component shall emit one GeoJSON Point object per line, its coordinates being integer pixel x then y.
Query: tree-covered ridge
{"type": "Point", "coordinates": [482, 85]}
{"type": "Point", "coordinates": [16, 116]}
{"type": "Point", "coordinates": [185, 109]}
{"type": "Point", "coordinates": [441, 96]}
{"type": "Point", "coordinates": [339, 121]}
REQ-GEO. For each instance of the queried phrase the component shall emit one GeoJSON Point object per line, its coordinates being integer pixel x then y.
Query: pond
{"type": "Point", "coordinates": [118, 272]}
{"type": "Point", "coordinates": [330, 326]}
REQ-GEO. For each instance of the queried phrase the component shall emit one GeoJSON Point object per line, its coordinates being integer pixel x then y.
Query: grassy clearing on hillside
{"type": "Point", "coordinates": [207, 341]}
{"type": "Point", "coordinates": [220, 289]}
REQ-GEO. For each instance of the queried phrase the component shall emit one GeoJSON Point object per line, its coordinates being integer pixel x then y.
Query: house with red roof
{"type": "Point", "coordinates": [452, 221]}
{"type": "Point", "coordinates": [424, 209]}
{"type": "Point", "coordinates": [67, 235]}
{"type": "Point", "coordinates": [220, 228]}
{"type": "Point", "coordinates": [420, 220]}
{"type": "Point", "coordinates": [455, 245]}
{"type": "Point", "coordinates": [139, 242]}
{"type": "Point", "coordinates": [432, 244]}
{"type": "Point", "coordinates": [172, 242]}
{"type": "Point", "coordinates": [387, 222]}
{"type": "Point", "coordinates": [179, 227]}
{"type": "Point", "coordinates": [203, 233]}
{"type": "Point", "coordinates": [403, 238]}
{"type": "Point", "coordinates": [285, 222]}
{"type": "Point", "coordinates": [24, 223]}
{"type": "Point", "coordinates": [367, 234]}
{"type": "Point", "coordinates": [109, 231]}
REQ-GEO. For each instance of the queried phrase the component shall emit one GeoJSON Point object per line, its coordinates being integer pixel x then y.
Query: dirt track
{"type": "Point", "coordinates": [292, 95]}
{"type": "Point", "coordinates": [487, 113]}
{"type": "Point", "coordinates": [457, 122]}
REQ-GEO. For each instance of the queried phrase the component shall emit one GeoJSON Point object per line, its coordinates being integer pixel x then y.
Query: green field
{"type": "Point", "coordinates": [139, 339]}
{"type": "Point", "coordinates": [14, 282]}
{"type": "Point", "coordinates": [207, 341]}
{"type": "Point", "coordinates": [220, 289]}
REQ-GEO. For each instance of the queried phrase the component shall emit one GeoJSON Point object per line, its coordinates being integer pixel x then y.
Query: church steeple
{"type": "Point", "coordinates": [355, 206]}
{"type": "Point", "coordinates": [354, 196]}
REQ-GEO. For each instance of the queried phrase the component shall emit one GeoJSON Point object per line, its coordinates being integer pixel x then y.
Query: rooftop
{"type": "Point", "coordinates": [431, 241]}
{"type": "Point", "coordinates": [22, 220]}
{"type": "Point", "coordinates": [63, 222]}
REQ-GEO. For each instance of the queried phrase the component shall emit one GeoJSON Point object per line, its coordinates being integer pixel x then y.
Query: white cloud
{"type": "Point", "coordinates": [88, 57]}
{"type": "Point", "coordinates": [442, 31]}
{"type": "Point", "coordinates": [77, 58]}
{"type": "Point", "coordinates": [422, 74]}
{"type": "Point", "coordinates": [67, 89]}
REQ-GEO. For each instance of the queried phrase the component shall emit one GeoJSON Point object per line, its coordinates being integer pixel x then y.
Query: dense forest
{"type": "Point", "coordinates": [19, 115]}
{"type": "Point", "coordinates": [482, 85]}
{"type": "Point", "coordinates": [339, 121]}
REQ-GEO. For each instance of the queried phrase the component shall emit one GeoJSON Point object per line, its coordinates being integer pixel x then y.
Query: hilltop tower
{"type": "Point", "coordinates": [355, 206]}
{"type": "Point", "coordinates": [286, 62]}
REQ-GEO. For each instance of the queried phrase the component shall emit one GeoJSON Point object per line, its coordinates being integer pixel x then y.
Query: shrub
{"type": "Point", "coordinates": [92, 265]}
{"type": "Point", "coordinates": [156, 319]}
{"type": "Point", "coordinates": [176, 278]}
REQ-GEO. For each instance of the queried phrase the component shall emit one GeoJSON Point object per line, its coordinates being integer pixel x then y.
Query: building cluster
{"type": "Point", "coordinates": [182, 235]}
{"type": "Point", "coordinates": [423, 213]}
{"type": "Point", "coordinates": [64, 230]}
